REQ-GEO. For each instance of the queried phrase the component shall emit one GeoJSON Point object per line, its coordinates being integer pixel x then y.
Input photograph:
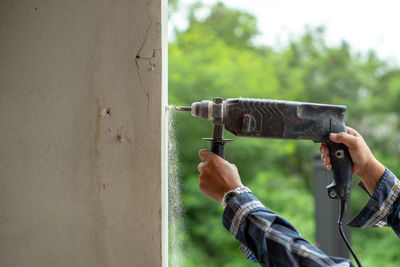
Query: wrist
{"type": "Point", "coordinates": [231, 193]}
{"type": "Point", "coordinates": [371, 174]}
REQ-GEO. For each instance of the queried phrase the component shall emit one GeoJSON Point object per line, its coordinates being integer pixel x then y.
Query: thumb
{"type": "Point", "coordinates": [345, 138]}
{"type": "Point", "coordinates": [204, 154]}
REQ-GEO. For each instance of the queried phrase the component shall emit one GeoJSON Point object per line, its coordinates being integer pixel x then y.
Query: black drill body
{"type": "Point", "coordinates": [282, 119]}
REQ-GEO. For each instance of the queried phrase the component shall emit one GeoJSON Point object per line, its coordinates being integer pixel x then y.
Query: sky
{"type": "Point", "coordinates": [365, 25]}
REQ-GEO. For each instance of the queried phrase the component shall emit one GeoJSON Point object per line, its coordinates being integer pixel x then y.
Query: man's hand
{"type": "Point", "coordinates": [365, 165]}
{"type": "Point", "coordinates": [217, 176]}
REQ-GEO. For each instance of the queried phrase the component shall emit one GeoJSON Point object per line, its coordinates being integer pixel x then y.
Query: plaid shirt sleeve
{"type": "Point", "coordinates": [269, 239]}
{"type": "Point", "coordinates": [383, 208]}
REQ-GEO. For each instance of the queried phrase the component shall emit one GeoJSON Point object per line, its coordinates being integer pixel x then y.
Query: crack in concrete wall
{"type": "Point", "coordinates": [147, 58]}
{"type": "Point", "coordinates": [138, 58]}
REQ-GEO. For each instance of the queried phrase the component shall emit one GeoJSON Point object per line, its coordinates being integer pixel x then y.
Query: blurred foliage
{"type": "Point", "coordinates": [172, 7]}
{"type": "Point", "coordinates": [215, 57]}
{"type": "Point", "coordinates": [234, 27]}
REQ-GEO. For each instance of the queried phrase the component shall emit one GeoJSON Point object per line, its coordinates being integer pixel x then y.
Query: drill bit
{"type": "Point", "coordinates": [183, 108]}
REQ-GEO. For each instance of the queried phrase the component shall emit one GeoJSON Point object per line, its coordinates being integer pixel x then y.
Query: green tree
{"type": "Point", "coordinates": [236, 28]}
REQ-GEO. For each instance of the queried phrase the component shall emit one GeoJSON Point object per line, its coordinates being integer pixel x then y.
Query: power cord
{"type": "Point", "coordinates": [342, 209]}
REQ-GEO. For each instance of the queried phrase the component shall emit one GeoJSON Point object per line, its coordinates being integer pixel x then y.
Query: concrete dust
{"type": "Point", "coordinates": [176, 227]}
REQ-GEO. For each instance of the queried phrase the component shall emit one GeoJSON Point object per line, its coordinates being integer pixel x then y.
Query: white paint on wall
{"type": "Point", "coordinates": [81, 106]}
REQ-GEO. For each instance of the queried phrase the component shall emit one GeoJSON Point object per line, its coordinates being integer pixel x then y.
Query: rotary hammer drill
{"type": "Point", "coordinates": [267, 118]}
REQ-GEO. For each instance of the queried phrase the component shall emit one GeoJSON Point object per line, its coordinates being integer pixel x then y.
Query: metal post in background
{"type": "Point", "coordinates": [326, 214]}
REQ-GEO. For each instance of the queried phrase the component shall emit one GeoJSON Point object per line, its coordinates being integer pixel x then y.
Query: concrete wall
{"type": "Point", "coordinates": [80, 133]}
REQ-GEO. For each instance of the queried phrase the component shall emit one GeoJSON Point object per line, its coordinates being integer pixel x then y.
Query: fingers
{"type": "Point", "coordinates": [323, 148]}
{"type": "Point", "coordinates": [326, 160]}
{"type": "Point", "coordinates": [348, 139]}
{"type": "Point", "coordinates": [205, 154]}
{"type": "Point", "coordinates": [328, 167]}
{"type": "Point", "coordinates": [200, 167]}
{"type": "Point", "coordinates": [352, 131]}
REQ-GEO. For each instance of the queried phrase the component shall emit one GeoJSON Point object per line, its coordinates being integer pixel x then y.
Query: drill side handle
{"type": "Point", "coordinates": [218, 148]}
{"type": "Point", "coordinates": [342, 167]}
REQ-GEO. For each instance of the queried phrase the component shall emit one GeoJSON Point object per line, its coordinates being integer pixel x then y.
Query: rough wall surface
{"type": "Point", "coordinates": [80, 138]}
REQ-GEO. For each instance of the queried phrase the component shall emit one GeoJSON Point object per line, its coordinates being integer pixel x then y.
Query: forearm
{"type": "Point", "coordinates": [269, 238]}
{"type": "Point", "coordinates": [371, 175]}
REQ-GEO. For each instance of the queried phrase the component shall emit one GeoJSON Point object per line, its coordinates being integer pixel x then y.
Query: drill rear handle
{"type": "Point", "coordinates": [342, 168]}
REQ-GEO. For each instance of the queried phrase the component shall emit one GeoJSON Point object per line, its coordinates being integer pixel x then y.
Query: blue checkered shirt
{"type": "Point", "coordinates": [271, 240]}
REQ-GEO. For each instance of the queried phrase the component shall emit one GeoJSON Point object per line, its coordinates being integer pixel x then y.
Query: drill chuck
{"type": "Point", "coordinates": [211, 110]}
{"type": "Point", "coordinates": [203, 110]}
